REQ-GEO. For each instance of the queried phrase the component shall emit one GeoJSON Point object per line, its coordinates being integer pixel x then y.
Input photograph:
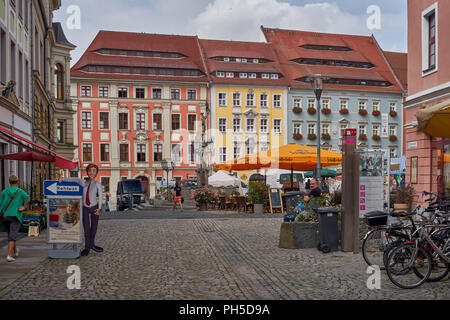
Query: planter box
{"type": "Point", "coordinates": [299, 235]}
{"type": "Point", "coordinates": [258, 208]}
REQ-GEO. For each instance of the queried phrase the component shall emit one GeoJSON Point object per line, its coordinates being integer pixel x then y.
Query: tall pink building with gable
{"type": "Point", "coordinates": [428, 85]}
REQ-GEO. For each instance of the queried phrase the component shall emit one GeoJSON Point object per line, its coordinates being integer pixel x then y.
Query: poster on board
{"type": "Point", "coordinates": [371, 182]}
{"type": "Point", "coordinates": [64, 221]}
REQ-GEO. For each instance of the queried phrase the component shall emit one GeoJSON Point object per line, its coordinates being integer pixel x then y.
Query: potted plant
{"type": "Point", "coordinates": [326, 110]}
{"type": "Point", "coordinates": [393, 138]}
{"type": "Point", "coordinates": [393, 113]}
{"type": "Point", "coordinates": [297, 136]}
{"type": "Point", "coordinates": [362, 136]}
{"type": "Point", "coordinates": [326, 136]}
{"type": "Point", "coordinates": [376, 113]}
{"type": "Point", "coordinates": [258, 194]}
{"type": "Point", "coordinates": [362, 112]}
{"type": "Point", "coordinates": [376, 137]}
{"type": "Point", "coordinates": [312, 110]}
{"type": "Point", "coordinates": [343, 111]}
{"type": "Point", "coordinates": [404, 198]}
{"type": "Point", "coordinates": [202, 197]}
{"type": "Point", "coordinates": [297, 110]}
{"type": "Point", "coordinates": [312, 136]}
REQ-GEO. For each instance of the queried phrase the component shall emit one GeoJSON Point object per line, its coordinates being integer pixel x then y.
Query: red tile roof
{"type": "Point", "coordinates": [399, 63]}
{"type": "Point", "coordinates": [186, 45]}
{"type": "Point", "coordinates": [240, 49]}
{"type": "Point", "coordinates": [364, 48]}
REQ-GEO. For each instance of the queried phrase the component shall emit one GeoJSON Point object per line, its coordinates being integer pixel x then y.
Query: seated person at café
{"type": "Point", "coordinates": [314, 190]}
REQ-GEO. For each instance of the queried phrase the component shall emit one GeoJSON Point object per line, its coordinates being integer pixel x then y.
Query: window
{"type": "Point", "coordinates": [255, 61]}
{"type": "Point", "coordinates": [250, 125]}
{"type": "Point", "coordinates": [157, 152]}
{"type": "Point", "coordinates": [85, 91]}
{"type": "Point", "coordinates": [59, 82]}
{"type": "Point", "coordinates": [236, 151]}
{"type": "Point", "coordinates": [274, 76]}
{"type": "Point", "coordinates": [140, 93]}
{"type": "Point", "coordinates": [250, 99]}
{"type": "Point", "coordinates": [103, 91]}
{"type": "Point", "coordinates": [277, 100]}
{"type": "Point", "coordinates": [222, 125]}
{"type": "Point", "coordinates": [376, 106]}
{"type": "Point", "coordinates": [230, 74]}
{"type": "Point", "coordinates": [362, 105]}
{"type": "Point", "coordinates": [226, 59]}
{"type": "Point", "coordinates": [140, 121]}
{"type": "Point", "coordinates": [277, 125]}
{"type": "Point", "coordinates": [176, 122]}
{"type": "Point", "coordinates": [311, 103]}
{"type": "Point", "coordinates": [104, 152]}
{"type": "Point", "coordinates": [175, 94]}
{"type": "Point", "coordinates": [249, 149]}
{"type": "Point", "coordinates": [222, 154]}
{"type": "Point", "coordinates": [192, 94]}
{"type": "Point", "coordinates": [375, 130]}
{"type": "Point", "coordinates": [123, 121]}
{"type": "Point", "coordinates": [104, 120]}
{"type": "Point", "coordinates": [60, 131]}
{"type": "Point", "coordinates": [263, 100]}
{"type": "Point", "coordinates": [297, 128]}
{"type": "Point", "coordinates": [297, 102]}
{"type": "Point", "coordinates": [264, 128]}
{"type": "Point", "coordinates": [393, 152]}
{"type": "Point", "coordinates": [86, 120]}
{"type": "Point", "coordinates": [87, 152]}
{"type": "Point", "coordinates": [362, 129]}
{"type": "Point", "coordinates": [343, 127]}
{"type": "Point", "coordinates": [236, 99]}
{"type": "Point", "coordinates": [156, 93]}
{"type": "Point", "coordinates": [343, 104]}
{"type": "Point", "coordinates": [191, 148]}
{"type": "Point", "coordinates": [237, 125]}
{"type": "Point", "coordinates": [123, 92]}
{"type": "Point", "coordinates": [105, 183]}
{"type": "Point", "coordinates": [311, 128]}
{"type": "Point", "coordinates": [192, 118]}
{"type": "Point", "coordinates": [124, 152]}
{"type": "Point", "coordinates": [220, 74]}
{"type": "Point", "coordinates": [176, 152]}
{"type": "Point", "coordinates": [326, 103]}
{"type": "Point", "coordinates": [325, 128]}
{"type": "Point", "coordinates": [392, 106]}
{"type": "Point", "coordinates": [264, 146]}
{"type": "Point", "coordinates": [222, 99]}
{"type": "Point", "coordinates": [392, 130]}
{"type": "Point", "coordinates": [252, 75]}
{"type": "Point", "coordinates": [432, 41]}
{"type": "Point", "coordinates": [244, 59]}
{"type": "Point", "coordinates": [157, 121]}
{"type": "Point", "coordinates": [242, 75]}
{"type": "Point", "coordinates": [265, 76]}
{"type": "Point", "coordinates": [140, 153]}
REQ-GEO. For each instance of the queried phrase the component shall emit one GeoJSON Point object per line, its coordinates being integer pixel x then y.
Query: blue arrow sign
{"type": "Point", "coordinates": [66, 189]}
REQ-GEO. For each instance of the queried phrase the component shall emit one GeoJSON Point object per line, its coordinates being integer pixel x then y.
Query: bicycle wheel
{"type": "Point", "coordinates": [373, 247]}
{"type": "Point", "coordinates": [389, 248]}
{"type": "Point", "coordinates": [439, 267]}
{"type": "Point", "coordinates": [403, 264]}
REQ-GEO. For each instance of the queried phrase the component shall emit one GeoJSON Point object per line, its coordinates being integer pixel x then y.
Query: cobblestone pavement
{"type": "Point", "coordinates": [207, 258]}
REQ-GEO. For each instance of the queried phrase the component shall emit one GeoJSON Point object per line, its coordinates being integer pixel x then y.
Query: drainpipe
{"type": "Point", "coordinates": [33, 181]}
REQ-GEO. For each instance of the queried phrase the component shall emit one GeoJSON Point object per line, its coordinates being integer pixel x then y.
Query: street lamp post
{"type": "Point", "coordinates": [318, 80]}
{"type": "Point", "coordinates": [165, 166]}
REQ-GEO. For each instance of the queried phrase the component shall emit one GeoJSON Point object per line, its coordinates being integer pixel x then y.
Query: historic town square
{"type": "Point", "coordinates": [247, 152]}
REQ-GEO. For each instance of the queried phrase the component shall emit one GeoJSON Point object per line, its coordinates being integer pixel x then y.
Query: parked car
{"type": "Point", "coordinates": [129, 193]}
{"type": "Point", "coordinates": [191, 182]}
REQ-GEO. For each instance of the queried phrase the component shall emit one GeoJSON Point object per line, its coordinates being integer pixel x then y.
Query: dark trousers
{"type": "Point", "coordinates": [90, 223]}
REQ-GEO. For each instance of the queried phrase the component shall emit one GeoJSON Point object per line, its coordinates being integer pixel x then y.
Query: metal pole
{"type": "Point", "coordinates": [318, 93]}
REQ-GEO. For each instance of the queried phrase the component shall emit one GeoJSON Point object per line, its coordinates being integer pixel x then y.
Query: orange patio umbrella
{"type": "Point", "coordinates": [289, 157]}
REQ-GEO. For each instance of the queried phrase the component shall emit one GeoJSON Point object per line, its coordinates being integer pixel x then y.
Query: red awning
{"type": "Point", "coordinates": [35, 151]}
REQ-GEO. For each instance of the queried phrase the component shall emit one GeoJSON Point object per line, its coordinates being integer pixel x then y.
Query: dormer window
{"type": "Point", "coordinates": [274, 76]}
{"type": "Point", "coordinates": [242, 75]}
{"type": "Point", "coordinates": [230, 75]}
{"type": "Point", "coordinates": [226, 59]}
{"type": "Point", "coordinates": [265, 76]}
{"type": "Point", "coordinates": [252, 75]}
{"type": "Point", "coordinates": [244, 59]}
{"type": "Point", "coordinates": [255, 61]}
{"type": "Point", "coordinates": [220, 74]}
{"type": "Point", "coordinates": [123, 53]}
{"type": "Point", "coordinates": [238, 60]}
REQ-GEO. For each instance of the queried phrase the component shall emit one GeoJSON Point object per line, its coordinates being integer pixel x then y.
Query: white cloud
{"type": "Point", "coordinates": [241, 19]}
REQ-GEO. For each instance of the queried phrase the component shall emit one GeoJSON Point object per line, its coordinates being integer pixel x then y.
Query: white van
{"type": "Point", "coordinates": [276, 178]}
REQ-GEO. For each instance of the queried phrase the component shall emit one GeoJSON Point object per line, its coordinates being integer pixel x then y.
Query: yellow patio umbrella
{"type": "Point", "coordinates": [435, 120]}
{"type": "Point", "coordinates": [289, 157]}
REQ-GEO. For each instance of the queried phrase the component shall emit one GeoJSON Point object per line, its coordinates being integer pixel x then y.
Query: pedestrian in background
{"type": "Point", "coordinates": [177, 196]}
{"type": "Point", "coordinates": [13, 201]}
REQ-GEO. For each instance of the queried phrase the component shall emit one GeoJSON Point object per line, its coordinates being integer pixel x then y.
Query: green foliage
{"type": "Point", "coordinates": [258, 192]}
{"type": "Point", "coordinates": [204, 196]}
{"type": "Point", "coordinates": [307, 216]}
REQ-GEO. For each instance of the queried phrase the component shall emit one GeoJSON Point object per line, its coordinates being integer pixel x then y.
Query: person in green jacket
{"type": "Point", "coordinates": [13, 213]}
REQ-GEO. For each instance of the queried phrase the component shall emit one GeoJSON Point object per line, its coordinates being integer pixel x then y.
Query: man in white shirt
{"type": "Point", "coordinates": [91, 207]}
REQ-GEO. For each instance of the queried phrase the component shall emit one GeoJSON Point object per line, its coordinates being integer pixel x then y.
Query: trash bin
{"type": "Point", "coordinates": [292, 199]}
{"type": "Point", "coordinates": [328, 229]}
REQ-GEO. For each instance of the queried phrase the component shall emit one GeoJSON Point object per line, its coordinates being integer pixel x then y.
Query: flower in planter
{"type": "Point", "coordinates": [362, 136]}
{"type": "Point", "coordinates": [392, 138]}
{"type": "Point", "coordinates": [362, 112]}
{"type": "Point", "coordinates": [343, 111]}
{"type": "Point", "coordinates": [258, 192]}
{"type": "Point", "coordinates": [393, 113]}
{"type": "Point", "coordinates": [204, 196]}
{"type": "Point", "coordinates": [326, 110]}
{"type": "Point", "coordinates": [312, 110]}
{"type": "Point", "coordinates": [376, 137]}
{"type": "Point", "coordinates": [376, 113]}
{"type": "Point", "coordinates": [297, 136]}
{"type": "Point", "coordinates": [297, 110]}
{"type": "Point", "coordinates": [312, 136]}
{"type": "Point", "coordinates": [326, 136]}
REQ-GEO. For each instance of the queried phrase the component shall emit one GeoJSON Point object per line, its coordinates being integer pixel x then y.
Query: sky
{"type": "Point", "coordinates": [238, 20]}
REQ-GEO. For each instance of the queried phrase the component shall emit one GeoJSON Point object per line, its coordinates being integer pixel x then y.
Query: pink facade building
{"type": "Point", "coordinates": [428, 85]}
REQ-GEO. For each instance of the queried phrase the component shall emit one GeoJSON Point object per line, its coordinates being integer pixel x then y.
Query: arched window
{"type": "Point", "coordinates": [59, 83]}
